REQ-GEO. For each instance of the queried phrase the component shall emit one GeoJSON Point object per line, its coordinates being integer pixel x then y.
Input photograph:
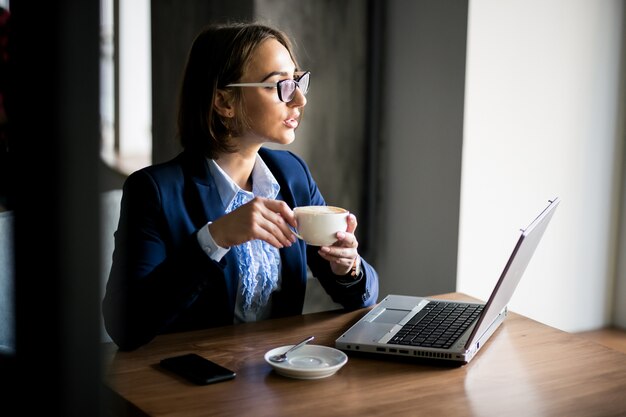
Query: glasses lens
{"type": "Point", "coordinates": [303, 82]}
{"type": "Point", "coordinates": [286, 90]}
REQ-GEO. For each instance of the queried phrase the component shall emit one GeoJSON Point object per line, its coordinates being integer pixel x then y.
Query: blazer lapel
{"type": "Point", "coordinates": [202, 191]}
{"type": "Point", "coordinates": [206, 204]}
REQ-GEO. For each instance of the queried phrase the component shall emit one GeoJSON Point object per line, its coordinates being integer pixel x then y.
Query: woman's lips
{"type": "Point", "coordinates": [291, 123]}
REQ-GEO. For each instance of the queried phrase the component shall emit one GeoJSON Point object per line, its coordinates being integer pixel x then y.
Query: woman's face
{"type": "Point", "coordinates": [270, 119]}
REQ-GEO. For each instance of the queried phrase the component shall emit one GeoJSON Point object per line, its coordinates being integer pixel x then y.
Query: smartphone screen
{"type": "Point", "coordinates": [197, 369]}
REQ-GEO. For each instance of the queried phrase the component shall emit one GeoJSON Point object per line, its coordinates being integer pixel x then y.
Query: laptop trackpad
{"type": "Point", "coordinates": [391, 316]}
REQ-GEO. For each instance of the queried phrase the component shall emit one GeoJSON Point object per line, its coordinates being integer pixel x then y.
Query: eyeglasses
{"type": "Point", "coordinates": [286, 88]}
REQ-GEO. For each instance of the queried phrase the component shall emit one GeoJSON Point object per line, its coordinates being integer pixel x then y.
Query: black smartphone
{"type": "Point", "coordinates": [197, 369]}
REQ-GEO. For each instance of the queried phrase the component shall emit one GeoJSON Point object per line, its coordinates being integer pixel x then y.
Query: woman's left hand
{"type": "Point", "coordinates": [343, 253]}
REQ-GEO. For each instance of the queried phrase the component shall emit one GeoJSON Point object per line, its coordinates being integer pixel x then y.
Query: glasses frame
{"type": "Point", "coordinates": [278, 85]}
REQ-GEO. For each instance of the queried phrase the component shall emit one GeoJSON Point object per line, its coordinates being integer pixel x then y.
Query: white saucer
{"type": "Point", "coordinates": [308, 362]}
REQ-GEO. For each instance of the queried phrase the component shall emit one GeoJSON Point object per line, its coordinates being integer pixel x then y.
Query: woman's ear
{"type": "Point", "coordinates": [223, 104]}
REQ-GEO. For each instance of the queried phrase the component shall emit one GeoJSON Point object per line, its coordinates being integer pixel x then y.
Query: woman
{"type": "Point", "coordinates": [205, 239]}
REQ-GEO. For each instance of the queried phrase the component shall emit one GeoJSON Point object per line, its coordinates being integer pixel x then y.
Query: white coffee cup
{"type": "Point", "coordinates": [318, 225]}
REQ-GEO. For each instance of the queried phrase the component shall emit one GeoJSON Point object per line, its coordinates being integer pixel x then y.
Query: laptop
{"type": "Point", "coordinates": [448, 330]}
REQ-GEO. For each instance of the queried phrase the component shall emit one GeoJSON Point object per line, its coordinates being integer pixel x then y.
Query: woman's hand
{"type": "Point", "coordinates": [343, 253]}
{"type": "Point", "coordinates": [260, 218]}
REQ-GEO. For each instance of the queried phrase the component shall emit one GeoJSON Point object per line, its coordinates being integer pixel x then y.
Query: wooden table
{"type": "Point", "coordinates": [526, 369]}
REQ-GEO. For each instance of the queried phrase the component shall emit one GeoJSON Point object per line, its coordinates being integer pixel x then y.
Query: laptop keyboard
{"type": "Point", "coordinates": [437, 325]}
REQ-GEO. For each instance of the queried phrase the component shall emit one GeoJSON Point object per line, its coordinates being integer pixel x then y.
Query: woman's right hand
{"type": "Point", "coordinates": [260, 218]}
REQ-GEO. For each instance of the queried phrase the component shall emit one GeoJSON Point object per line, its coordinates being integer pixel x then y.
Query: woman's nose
{"type": "Point", "coordinates": [299, 99]}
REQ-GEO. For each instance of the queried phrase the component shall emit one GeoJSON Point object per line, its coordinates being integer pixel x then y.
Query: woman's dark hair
{"type": "Point", "coordinates": [218, 56]}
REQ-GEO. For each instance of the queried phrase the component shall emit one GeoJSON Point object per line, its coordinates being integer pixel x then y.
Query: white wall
{"type": "Point", "coordinates": [543, 119]}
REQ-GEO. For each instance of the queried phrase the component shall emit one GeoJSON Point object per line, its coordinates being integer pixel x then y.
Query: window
{"type": "Point", "coordinates": [125, 84]}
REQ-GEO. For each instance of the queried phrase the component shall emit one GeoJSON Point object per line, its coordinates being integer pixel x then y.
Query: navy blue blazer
{"type": "Point", "coordinates": [161, 281]}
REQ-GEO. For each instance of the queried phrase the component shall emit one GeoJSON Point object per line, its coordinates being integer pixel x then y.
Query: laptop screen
{"type": "Point", "coordinates": [512, 273]}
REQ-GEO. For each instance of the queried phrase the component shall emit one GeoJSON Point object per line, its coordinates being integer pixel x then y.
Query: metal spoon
{"type": "Point", "coordinates": [283, 356]}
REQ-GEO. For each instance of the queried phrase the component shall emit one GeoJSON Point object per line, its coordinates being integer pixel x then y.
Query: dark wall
{"type": "Point", "coordinates": [421, 152]}
{"type": "Point", "coordinates": [174, 27]}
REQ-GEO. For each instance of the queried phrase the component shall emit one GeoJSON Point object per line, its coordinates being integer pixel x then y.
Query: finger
{"type": "Point", "coordinates": [280, 214]}
{"type": "Point", "coordinates": [269, 215]}
{"type": "Point", "coordinates": [272, 240]}
{"type": "Point", "coordinates": [258, 226]}
{"type": "Point", "coordinates": [264, 232]}
{"type": "Point", "coordinates": [334, 253]}
{"type": "Point", "coordinates": [345, 239]}
{"type": "Point", "coordinates": [352, 223]}
{"type": "Point", "coordinates": [339, 266]}
{"type": "Point", "coordinates": [343, 261]}
{"type": "Point", "coordinates": [283, 209]}
{"type": "Point", "coordinates": [275, 224]}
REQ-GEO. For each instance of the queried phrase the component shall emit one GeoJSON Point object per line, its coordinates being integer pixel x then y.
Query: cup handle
{"type": "Point", "coordinates": [296, 233]}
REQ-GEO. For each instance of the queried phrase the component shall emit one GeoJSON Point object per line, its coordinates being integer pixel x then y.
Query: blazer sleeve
{"type": "Point", "coordinates": [157, 272]}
